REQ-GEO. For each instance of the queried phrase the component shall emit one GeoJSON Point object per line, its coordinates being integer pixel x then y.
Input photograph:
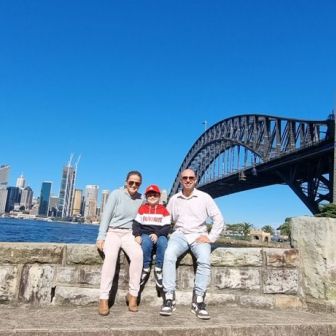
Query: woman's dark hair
{"type": "Point", "coordinates": [133, 172]}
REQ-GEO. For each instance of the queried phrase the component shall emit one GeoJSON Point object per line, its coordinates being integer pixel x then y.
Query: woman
{"type": "Point", "coordinates": [115, 232]}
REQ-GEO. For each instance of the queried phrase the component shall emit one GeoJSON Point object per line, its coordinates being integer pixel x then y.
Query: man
{"type": "Point", "coordinates": [189, 210]}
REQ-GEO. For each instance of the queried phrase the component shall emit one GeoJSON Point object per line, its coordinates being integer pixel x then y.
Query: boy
{"type": "Point", "coordinates": [151, 227]}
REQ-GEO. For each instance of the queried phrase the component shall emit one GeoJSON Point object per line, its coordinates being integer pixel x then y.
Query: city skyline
{"type": "Point", "coordinates": [132, 85]}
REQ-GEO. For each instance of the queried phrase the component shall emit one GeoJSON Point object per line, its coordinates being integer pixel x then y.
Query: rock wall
{"type": "Point", "coordinates": [57, 274]}
{"type": "Point", "coordinates": [315, 238]}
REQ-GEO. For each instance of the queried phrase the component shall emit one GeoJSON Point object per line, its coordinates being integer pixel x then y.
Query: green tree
{"type": "Point", "coordinates": [246, 228]}
{"type": "Point", "coordinates": [285, 228]}
{"type": "Point", "coordinates": [327, 210]}
{"type": "Point", "coordinates": [268, 228]}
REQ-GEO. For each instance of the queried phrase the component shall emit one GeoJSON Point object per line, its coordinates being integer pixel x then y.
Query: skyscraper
{"type": "Point", "coordinates": [105, 195]}
{"type": "Point", "coordinates": [21, 182]}
{"type": "Point", "coordinates": [91, 196]}
{"type": "Point", "coordinates": [4, 173]}
{"type": "Point", "coordinates": [67, 189]}
{"type": "Point", "coordinates": [13, 196]}
{"type": "Point", "coordinates": [3, 199]}
{"type": "Point", "coordinates": [26, 198]}
{"type": "Point", "coordinates": [44, 198]}
{"type": "Point", "coordinates": [77, 209]}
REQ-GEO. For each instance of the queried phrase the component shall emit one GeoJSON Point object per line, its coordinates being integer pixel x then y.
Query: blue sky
{"type": "Point", "coordinates": [128, 84]}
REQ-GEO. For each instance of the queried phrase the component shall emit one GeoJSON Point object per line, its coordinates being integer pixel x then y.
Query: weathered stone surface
{"type": "Point", "coordinates": [287, 302]}
{"type": "Point", "coordinates": [90, 275]}
{"type": "Point", "coordinates": [36, 284]}
{"type": "Point", "coordinates": [220, 298]}
{"type": "Point", "coordinates": [76, 295]}
{"type": "Point", "coordinates": [236, 278]}
{"type": "Point", "coordinates": [185, 277]}
{"type": "Point", "coordinates": [23, 253]}
{"type": "Point", "coordinates": [186, 260]}
{"type": "Point", "coordinates": [66, 275]}
{"type": "Point", "coordinates": [315, 239]}
{"type": "Point", "coordinates": [236, 257]}
{"type": "Point", "coordinates": [280, 281]}
{"type": "Point", "coordinates": [85, 254]}
{"type": "Point", "coordinates": [256, 301]}
{"type": "Point", "coordinates": [8, 283]}
{"type": "Point", "coordinates": [281, 257]}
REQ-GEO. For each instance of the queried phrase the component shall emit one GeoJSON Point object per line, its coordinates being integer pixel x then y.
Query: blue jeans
{"type": "Point", "coordinates": [147, 247]}
{"type": "Point", "coordinates": [176, 247]}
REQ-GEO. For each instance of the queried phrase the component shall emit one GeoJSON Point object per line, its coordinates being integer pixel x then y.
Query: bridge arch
{"type": "Point", "coordinates": [251, 151]}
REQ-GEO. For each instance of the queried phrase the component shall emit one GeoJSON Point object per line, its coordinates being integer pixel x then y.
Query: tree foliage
{"type": "Point", "coordinates": [240, 228]}
{"type": "Point", "coordinates": [327, 210]}
{"type": "Point", "coordinates": [268, 228]}
{"type": "Point", "coordinates": [285, 228]}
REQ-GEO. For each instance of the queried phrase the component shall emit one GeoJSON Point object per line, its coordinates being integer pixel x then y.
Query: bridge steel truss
{"type": "Point", "coordinates": [252, 151]}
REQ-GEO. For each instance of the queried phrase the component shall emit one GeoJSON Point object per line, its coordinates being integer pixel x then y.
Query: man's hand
{"type": "Point", "coordinates": [153, 237]}
{"type": "Point", "coordinates": [202, 239]}
{"type": "Point", "coordinates": [138, 239]}
{"type": "Point", "coordinates": [100, 244]}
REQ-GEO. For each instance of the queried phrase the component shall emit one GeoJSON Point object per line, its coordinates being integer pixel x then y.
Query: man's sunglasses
{"type": "Point", "coordinates": [191, 178]}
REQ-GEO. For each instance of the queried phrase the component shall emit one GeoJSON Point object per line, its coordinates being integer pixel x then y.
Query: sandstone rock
{"type": "Point", "coordinates": [315, 239]}
{"type": "Point", "coordinates": [23, 253]}
{"type": "Point", "coordinates": [36, 284]}
{"type": "Point", "coordinates": [9, 276]}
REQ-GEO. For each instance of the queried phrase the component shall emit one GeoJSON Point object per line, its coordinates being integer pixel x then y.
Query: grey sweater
{"type": "Point", "coordinates": [119, 212]}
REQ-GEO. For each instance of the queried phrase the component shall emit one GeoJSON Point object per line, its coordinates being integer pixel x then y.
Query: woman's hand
{"type": "Point", "coordinates": [153, 237]}
{"type": "Point", "coordinates": [203, 239]}
{"type": "Point", "coordinates": [100, 244]}
{"type": "Point", "coordinates": [138, 239]}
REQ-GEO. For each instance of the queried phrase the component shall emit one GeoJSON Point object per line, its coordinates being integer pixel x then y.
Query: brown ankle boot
{"type": "Point", "coordinates": [103, 308]}
{"type": "Point", "coordinates": [132, 303]}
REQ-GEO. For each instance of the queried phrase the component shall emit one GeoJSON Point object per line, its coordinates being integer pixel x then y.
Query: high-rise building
{"type": "Point", "coordinates": [77, 208]}
{"type": "Point", "coordinates": [21, 182]}
{"type": "Point", "coordinates": [67, 189]}
{"type": "Point", "coordinates": [4, 173]}
{"type": "Point", "coordinates": [53, 203]}
{"type": "Point", "coordinates": [3, 199]}
{"type": "Point", "coordinates": [44, 198]}
{"type": "Point", "coordinates": [105, 195]}
{"type": "Point", "coordinates": [26, 198]}
{"type": "Point", "coordinates": [91, 197]}
{"type": "Point", "coordinates": [13, 196]}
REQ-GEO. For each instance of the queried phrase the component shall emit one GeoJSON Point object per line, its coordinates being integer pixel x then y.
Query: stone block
{"type": "Point", "coordinates": [315, 239]}
{"type": "Point", "coordinates": [66, 275]}
{"type": "Point", "coordinates": [8, 282]}
{"type": "Point", "coordinates": [256, 301]}
{"type": "Point", "coordinates": [36, 284]}
{"type": "Point", "coordinates": [236, 278]}
{"type": "Point", "coordinates": [287, 302]}
{"type": "Point", "coordinates": [186, 260]}
{"type": "Point", "coordinates": [79, 296]}
{"type": "Point", "coordinates": [238, 257]}
{"type": "Point", "coordinates": [284, 281]}
{"type": "Point", "coordinates": [23, 253]}
{"type": "Point", "coordinates": [281, 257]}
{"type": "Point", "coordinates": [185, 277]}
{"type": "Point", "coordinates": [90, 275]}
{"type": "Point", "coordinates": [85, 254]}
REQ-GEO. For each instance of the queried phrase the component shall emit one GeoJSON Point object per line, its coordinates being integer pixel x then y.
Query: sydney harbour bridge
{"type": "Point", "coordinates": [253, 151]}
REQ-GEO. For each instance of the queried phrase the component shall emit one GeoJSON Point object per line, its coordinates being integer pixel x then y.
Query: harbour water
{"type": "Point", "coordinates": [27, 230]}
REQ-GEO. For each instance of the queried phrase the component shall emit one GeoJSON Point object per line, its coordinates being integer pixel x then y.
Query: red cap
{"type": "Point", "coordinates": [154, 188]}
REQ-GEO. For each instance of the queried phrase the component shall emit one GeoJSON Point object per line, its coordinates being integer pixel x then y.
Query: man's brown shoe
{"type": "Point", "coordinates": [131, 301]}
{"type": "Point", "coordinates": [103, 308]}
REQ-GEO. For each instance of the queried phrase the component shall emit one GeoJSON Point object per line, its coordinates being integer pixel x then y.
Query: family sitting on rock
{"type": "Point", "coordinates": [137, 226]}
